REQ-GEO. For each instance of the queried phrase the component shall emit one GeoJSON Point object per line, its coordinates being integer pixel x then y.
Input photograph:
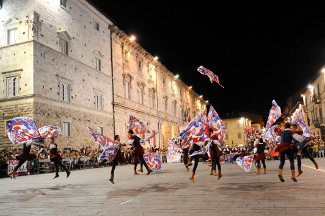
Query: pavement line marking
{"type": "Point", "coordinates": [321, 170]}
{"type": "Point", "coordinates": [125, 202]}
{"type": "Point", "coordinates": [171, 185]}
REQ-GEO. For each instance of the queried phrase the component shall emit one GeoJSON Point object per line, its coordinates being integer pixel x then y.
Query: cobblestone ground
{"type": "Point", "coordinates": [167, 192]}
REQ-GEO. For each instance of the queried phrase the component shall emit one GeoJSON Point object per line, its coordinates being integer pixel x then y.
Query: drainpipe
{"type": "Point", "coordinates": [112, 74]}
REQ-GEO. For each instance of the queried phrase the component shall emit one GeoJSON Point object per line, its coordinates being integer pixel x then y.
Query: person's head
{"type": "Point", "coordinates": [52, 139]}
{"type": "Point", "coordinates": [261, 140]}
{"type": "Point", "coordinates": [287, 125]}
{"type": "Point", "coordinates": [117, 137]}
{"type": "Point", "coordinates": [210, 131]}
{"type": "Point", "coordinates": [130, 132]}
{"type": "Point", "coordinates": [294, 127]}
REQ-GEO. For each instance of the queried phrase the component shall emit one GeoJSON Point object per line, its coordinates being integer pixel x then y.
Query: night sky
{"type": "Point", "coordinates": [260, 50]}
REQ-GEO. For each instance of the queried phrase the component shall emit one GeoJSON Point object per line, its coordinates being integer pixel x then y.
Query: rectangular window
{"type": "Point", "coordinates": [12, 36]}
{"type": "Point", "coordinates": [63, 3]}
{"type": "Point", "coordinates": [239, 135]}
{"type": "Point", "coordinates": [63, 47]}
{"type": "Point", "coordinates": [174, 109]}
{"type": "Point", "coordinates": [100, 130]}
{"type": "Point", "coordinates": [127, 93]}
{"type": "Point", "coordinates": [98, 64]}
{"type": "Point", "coordinates": [238, 124]}
{"type": "Point", "coordinates": [227, 136]}
{"type": "Point", "coordinates": [98, 102]}
{"type": "Point", "coordinates": [165, 106]}
{"type": "Point", "coordinates": [12, 86]}
{"type": "Point", "coordinates": [141, 96]}
{"type": "Point", "coordinates": [66, 129]}
{"type": "Point", "coordinates": [97, 26]}
{"type": "Point", "coordinates": [152, 101]}
{"type": "Point", "coordinates": [64, 90]}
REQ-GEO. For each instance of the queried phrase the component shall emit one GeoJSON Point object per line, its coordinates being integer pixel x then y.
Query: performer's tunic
{"type": "Point", "coordinates": [286, 142]}
{"type": "Point", "coordinates": [260, 155]}
{"type": "Point", "coordinates": [25, 155]}
{"type": "Point", "coordinates": [185, 154]}
{"type": "Point", "coordinates": [54, 152]}
{"type": "Point", "coordinates": [119, 157]}
{"type": "Point", "coordinates": [214, 149]}
{"type": "Point", "coordinates": [137, 149]}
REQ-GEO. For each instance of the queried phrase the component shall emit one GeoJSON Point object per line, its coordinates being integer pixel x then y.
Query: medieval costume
{"type": "Point", "coordinates": [25, 155]}
{"type": "Point", "coordinates": [56, 158]}
{"type": "Point", "coordinates": [137, 151]}
{"type": "Point", "coordinates": [117, 158]}
{"type": "Point", "coordinates": [260, 155]}
{"type": "Point", "coordinates": [185, 157]}
{"type": "Point", "coordinates": [215, 155]}
{"type": "Point", "coordinates": [286, 148]}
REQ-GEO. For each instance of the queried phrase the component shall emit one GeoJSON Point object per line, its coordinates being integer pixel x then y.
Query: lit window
{"type": "Point", "coordinates": [12, 36]}
{"type": "Point", "coordinates": [12, 86]}
{"type": "Point", "coordinates": [98, 64]}
{"type": "Point", "coordinates": [63, 47]}
{"type": "Point", "coordinates": [98, 102]}
{"type": "Point", "coordinates": [127, 90]}
{"type": "Point", "coordinates": [66, 129]}
{"type": "Point", "coordinates": [100, 130]}
{"type": "Point", "coordinates": [64, 90]}
{"type": "Point", "coordinates": [141, 95]}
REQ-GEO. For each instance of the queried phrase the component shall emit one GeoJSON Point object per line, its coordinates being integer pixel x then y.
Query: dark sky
{"type": "Point", "coordinates": [259, 49]}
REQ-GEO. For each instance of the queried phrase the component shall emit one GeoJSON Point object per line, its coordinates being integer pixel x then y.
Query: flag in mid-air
{"type": "Point", "coordinates": [172, 150]}
{"type": "Point", "coordinates": [209, 73]}
{"type": "Point", "coordinates": [153, 160]}
{"type": "Point", "coordinates": [245, 162]}
{"type": "Point", "coordinates": [137, 126]}
{"type": "Point", "coordinates": [298, 118]}
{"type": "Point", "coordinates": [216, 124]}
{"type": "Point", "coordinates": [274, 114]}
{"type": "Point", "coordinates": [198, 129]}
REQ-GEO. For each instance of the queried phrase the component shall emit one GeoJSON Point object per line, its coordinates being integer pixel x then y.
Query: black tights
{"type": "Point", "coordinates": [258, 164]}
{"type": "Point", "coordinates": [113, 166]}
{"type": "Point", "coordinates": [290, 157]}
{"type": "Point", "coordinates": [185, 163]}
{"type": "Point", "coordinates": [215, 163]}
{"type": "Point", "coordinates": [58, 162]}
{"type": "Point", "coordinates": [141, 162]}
{"type": "Point", "coordinates": [20, 163]}
{"type": "Point", "coordinates": [304, 151]}
{"type": "Point", "coordinates": [196, 162]}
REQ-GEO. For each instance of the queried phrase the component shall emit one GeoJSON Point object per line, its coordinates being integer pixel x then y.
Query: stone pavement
{"type": "Point", "coordinates": [167, 192]}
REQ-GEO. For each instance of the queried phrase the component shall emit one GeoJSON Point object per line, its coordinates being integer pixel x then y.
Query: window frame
{"type": "Point", "coordinates": [66, 126]}
{"type": "Point", "coordinates": [98, 64]}
{"type": "Point", "coordinates": [64, 86]}
{"type": "Point", "coordinates": [14, 91]}
{"type": "Point", "coordinates": [9, 36]}
{"type": "Point", "coordinates": [99, 106]}
{"type": "Point", "coordinates": [63, 46]}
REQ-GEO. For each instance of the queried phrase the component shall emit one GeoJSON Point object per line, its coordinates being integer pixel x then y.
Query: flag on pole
{"type": "Point", "coordinates": [137, 126]}
{"type": "Point", "coordinates": [274, 114]}
{"type": "Point", "coordinates": [245, 162]}
{"type": "Point", "coordinates": [216, 124]}
{"type": "Point", "coordinates": [153, 160]}
{"type": "Point", "coordinates": [198, 129]}
{"type": "Point", "coordinates": [172, 151]}
{"type": "Point", "coordinates": [298, 118]}
{"type": "Point", "coordinates": [203, 150]}
{"type": "Point", "coordinates": [210, 74]}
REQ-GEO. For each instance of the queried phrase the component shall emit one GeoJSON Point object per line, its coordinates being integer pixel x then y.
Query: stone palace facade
{"type": "Point", "coordinates": [64, 63]}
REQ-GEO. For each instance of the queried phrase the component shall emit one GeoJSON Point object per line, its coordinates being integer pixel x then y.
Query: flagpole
{"type": "Point", "coordinates": [220, 85]}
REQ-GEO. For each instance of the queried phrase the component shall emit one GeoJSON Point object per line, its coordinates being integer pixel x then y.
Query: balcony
{"type": "Point", "coordinates": [317, 99]}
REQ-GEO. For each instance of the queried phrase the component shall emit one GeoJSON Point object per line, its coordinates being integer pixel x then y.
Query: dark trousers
{"type": "Point", "coordinates": [113, 166]}
{"type": "Point", "coordinates": [20, 163]}
{"type": "Point", "coordinates": [58, 162]}
{"type": "Point", "coordinates": [185, 163]}
{"type": "Point", "coordinates": [196, 162]}
{"type": "Point", "coordinates": [215, 163]}
{"type": "Point", "coordinates": [306, 153]}
{"type": "Point", "coordinates": [142, 161]}
{"type": "Point", "coordinates": [258, 164]}
{"type": "Point", "coordinates": [290, 155]}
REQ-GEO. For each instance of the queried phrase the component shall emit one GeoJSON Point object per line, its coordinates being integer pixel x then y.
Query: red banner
{"type": "Point", "coordinates": [273, 153]}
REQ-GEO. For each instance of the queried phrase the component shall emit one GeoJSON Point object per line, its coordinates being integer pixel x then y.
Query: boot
{"type": "Point", "coordinates": [316, 164]}
{"type": "Point", "coordinates": [148, 171]}
{"type": "Point", "coordinates": [280, 175]}
{"type": "Point", "coordinates": [68, 174]}
{"type": "Point", "coordinates": [299, 171]}
{"type": "Point", "coordinates": [192, 177]}
{"type": "Point", "coordinates": [215, 173]}
{"type": "Point", "coordinates": [264, 170]}
{"type": "Point", "coordinates": [141, 169]}
{"type": "Point", "coordinates": [12, 174]}
{"type": "Point", "coordinates": [112, 179]}
{"type": "Point", "coordinates": [135, 172]}
{"type": "Point", "coordinates": [293, 176]}
{"type": "Point", "coordinates": [258, 171]}
{"type": "Point", "coordinates": [56, 175]}
{"type": "Point", "coordinates": [187, 169]}
{"type": "Point", "coordinates": [211, 172]}
{"type": "Point", "coordinates": [220, 175]}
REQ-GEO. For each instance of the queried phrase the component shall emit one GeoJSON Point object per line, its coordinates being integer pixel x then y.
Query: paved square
{"type": "Point", "coordinates": [167, 192]}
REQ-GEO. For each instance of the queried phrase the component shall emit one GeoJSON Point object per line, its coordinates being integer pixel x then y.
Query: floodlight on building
{"type": "Point", "coordinates": [190, 87]}
{"type": "Point", "coordinates": [207, 101]}
{"type": "Point", "coordinates": [201, 96]}
{"type": "Point", "coordinates": [310, 87]}
{"type": "Point", "coordinates": [176, 76]}
{"type": "Point", "coordinates": [132, 38]}
{"type": "Point", "coordinates": [323, 70]}
{"type": "Point", "coordinates": [155, 58]}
